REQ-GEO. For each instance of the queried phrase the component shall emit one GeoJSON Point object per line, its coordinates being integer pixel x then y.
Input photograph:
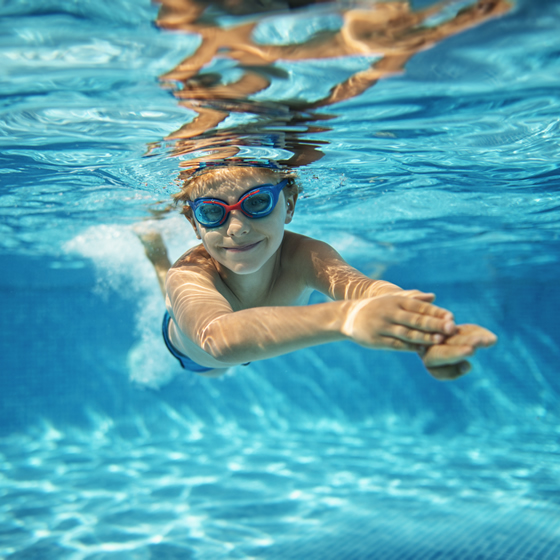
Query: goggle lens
{"type": "Point", "coordinates": [208, 214]}
{"type": "Point", "coordinates": [258, 204]}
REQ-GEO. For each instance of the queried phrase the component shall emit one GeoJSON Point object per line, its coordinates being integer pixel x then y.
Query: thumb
{"type": "Point", "coordinates": [446, 354]}
{"type": "Point", "coordinates": [450, 372]}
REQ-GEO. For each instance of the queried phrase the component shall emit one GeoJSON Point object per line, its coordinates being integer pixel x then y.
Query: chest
{"type": "Point", "coordinates": [287, 290]}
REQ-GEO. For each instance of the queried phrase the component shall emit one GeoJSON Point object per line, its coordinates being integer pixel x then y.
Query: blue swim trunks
{"type": "Point", "coordinates": [185, 361]}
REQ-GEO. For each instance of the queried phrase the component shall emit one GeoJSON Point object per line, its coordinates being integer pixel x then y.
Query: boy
{"type": "Point", "coordinates": [242, 294]}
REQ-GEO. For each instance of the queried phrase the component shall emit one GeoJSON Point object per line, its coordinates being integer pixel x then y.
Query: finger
{"type": "Point", "coordinates": [443, 355]}
{"type": "Point", "coordinates": [474, 335]}
{"type": "Point", "coordinates": [425, 308]}
{"type": "Point", "coordinates": [476, 341]}
{"type": "Point", "coordinates": [424, 297]}
{"type": "Point", "coordinates": [414, 336]}
{"type": "Point", "coordinates": [391, 343]}
{"type": "Point", "coordinates": [425, 323]}
{"type": "Point", "coordinates": [451, 372]}
{"type": "Point", "coordinates": [416, 294]}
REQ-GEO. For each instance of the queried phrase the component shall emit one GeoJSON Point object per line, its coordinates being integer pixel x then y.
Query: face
{"type": "Point", "coordinates": [242, 244]}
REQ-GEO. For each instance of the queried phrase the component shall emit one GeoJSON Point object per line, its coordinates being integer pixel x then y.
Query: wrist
{"type": "Point", "coordinates": [332, 319]}
{"type": "Point", "coordinates": [387, 288]}
{"type": "Point", "coordinates": [348, 316]}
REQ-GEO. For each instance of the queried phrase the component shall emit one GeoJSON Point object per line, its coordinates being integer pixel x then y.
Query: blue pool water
{"type": "Point", "coordinates": [443, 178]}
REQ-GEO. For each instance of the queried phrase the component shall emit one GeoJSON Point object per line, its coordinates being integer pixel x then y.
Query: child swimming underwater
{"type": "Point", "coordinates": [242, 294]}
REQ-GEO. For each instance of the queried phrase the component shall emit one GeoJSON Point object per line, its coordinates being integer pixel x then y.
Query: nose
{"type": "Point", "coordinates": [238, 224]}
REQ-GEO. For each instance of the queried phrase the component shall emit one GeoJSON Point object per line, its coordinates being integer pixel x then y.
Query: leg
{"type": "Point", "coordinates": [156, 251]}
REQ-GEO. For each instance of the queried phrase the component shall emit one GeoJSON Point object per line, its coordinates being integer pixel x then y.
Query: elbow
{"type": "Point", "coordinates": [213, 341]}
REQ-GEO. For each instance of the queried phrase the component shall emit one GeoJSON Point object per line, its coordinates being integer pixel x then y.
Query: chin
{"type": "Point", "coordinates": [243, 268]}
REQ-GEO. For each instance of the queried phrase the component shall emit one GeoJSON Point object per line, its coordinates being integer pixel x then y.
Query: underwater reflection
{"type": "Point", "coordinates": [257, 83]}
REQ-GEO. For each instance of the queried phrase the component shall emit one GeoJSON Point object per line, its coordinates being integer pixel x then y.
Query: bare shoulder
{"type": "Point", "coordinates": [194, 288]}
{"type": "Point", "coordinates": [195, 258]}
{"type": "Point", "coordinates": [303, 251]}
{"type": "Point", "coordinates": [303, 246]}
{"type": "Point", "coordinates": [322, 268]}
{"type": "Point", "coordinates": [308, 259]}
{"type": "Point", "coordinates": [195, 267]}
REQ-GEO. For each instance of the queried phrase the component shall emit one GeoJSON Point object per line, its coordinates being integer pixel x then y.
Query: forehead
{"type": "Point", "coordinates": [232, 182]}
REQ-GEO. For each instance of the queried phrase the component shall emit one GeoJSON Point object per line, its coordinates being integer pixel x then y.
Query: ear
{"type": "Point", "coordinates": [291, 200]}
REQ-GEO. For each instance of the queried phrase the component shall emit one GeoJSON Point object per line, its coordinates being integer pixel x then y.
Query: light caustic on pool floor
{"type": "Point", "coordinates": [318, 494]}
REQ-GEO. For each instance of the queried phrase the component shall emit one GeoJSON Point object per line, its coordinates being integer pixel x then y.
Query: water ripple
{"type": "Point", "coordinates": [440, 152]}
{"type": "Point", "coordinates": [285, 488]}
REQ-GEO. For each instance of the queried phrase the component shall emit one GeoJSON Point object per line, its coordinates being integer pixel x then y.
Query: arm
{"type": "Point", "coordinates": [445, 360]}
{"type": "Point", "coordinates": [327, 272]}
{"type": "Point", "coordinates": [206, 318]}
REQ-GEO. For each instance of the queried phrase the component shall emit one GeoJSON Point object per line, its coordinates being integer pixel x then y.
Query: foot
{"type": "Point", "coordinates": [154, 247]}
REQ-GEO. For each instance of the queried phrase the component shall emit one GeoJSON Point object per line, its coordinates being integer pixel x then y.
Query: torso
{"type": "Point", "coordinates": [289, 288]}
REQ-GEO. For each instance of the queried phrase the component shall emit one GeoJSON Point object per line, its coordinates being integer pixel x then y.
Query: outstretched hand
{"type": "Point", "coordinates": [447, 361]}
{"type": "Point", "coordinates": [397, 322]}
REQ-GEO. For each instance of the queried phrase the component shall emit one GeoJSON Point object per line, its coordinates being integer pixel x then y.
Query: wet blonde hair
{"type": "Point", "coordinates": [196, 182]}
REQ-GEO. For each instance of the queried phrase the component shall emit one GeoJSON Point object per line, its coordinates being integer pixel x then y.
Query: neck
{"type": "Point", "coordinates": [252, 290]}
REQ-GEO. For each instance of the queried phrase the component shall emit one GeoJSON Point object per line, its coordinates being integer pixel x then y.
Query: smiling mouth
{"type": "Point", "coordinates": [242, 248]}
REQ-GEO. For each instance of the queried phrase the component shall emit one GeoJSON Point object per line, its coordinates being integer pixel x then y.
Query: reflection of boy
{"type": "Point", "coordinates": [392, 31]}
{"type": "Point", "coordinates": [242, 294]}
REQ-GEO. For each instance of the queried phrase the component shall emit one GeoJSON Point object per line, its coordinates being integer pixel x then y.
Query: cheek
{"type": "Point", "coordinates": [209, 238]}
{"type": "Point", "coordinates": [275, 221]}
{"type": "Point", "coordinates": [272, 227]}
{"type": "Point", "coordinates": [280, 220]}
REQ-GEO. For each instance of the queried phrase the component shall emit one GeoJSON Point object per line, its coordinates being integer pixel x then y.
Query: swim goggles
{"type": "Point", "coordinates": [255, 203]}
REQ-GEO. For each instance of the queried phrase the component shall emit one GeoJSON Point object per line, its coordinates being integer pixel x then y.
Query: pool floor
{"type": "Point", "coordinates": [316, 492]}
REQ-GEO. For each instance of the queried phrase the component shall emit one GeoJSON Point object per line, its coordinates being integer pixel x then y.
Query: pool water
{"type": "Point", "coordinates": [443, 177]}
